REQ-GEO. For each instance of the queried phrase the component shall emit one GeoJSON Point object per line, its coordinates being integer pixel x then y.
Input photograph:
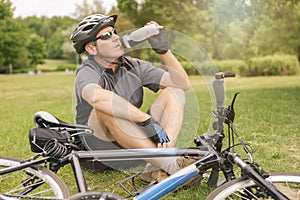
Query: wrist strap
{"type": "Point", "coordinates": [145, 123]}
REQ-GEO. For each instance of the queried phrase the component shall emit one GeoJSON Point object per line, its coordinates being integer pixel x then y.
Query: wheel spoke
{"type": "Point", "coordinates": [243, 188]}
{"type": "Point", "coordinates": [31, 183]}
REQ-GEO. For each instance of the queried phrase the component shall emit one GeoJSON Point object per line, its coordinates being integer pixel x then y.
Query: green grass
{"type": "Point", "coordinates": [51, 64]}
{"type": "Point", "coordinates": [267, 116]}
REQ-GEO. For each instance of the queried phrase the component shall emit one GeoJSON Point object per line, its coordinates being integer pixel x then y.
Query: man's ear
{"type": "Point", "coordinates": [91, 48]}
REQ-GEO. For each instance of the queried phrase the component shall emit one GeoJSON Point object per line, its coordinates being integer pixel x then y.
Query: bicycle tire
{"type": "Point", "coordinates": [94, 195]}
{"type": "Point", "coordinates": [287, 182]}
{"type": "Point", "coordinates": [13, 184]}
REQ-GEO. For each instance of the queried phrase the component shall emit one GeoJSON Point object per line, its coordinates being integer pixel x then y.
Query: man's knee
{"type": "Point", "coordinates": [177, 94]}
{"type": "Point", "coordinates": [170, 99]}
{"type": "Point", "coordinates": [97, 121]}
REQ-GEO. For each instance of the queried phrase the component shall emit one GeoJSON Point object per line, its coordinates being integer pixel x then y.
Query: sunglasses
{"type": "Point", "coordinates": [105, 36]}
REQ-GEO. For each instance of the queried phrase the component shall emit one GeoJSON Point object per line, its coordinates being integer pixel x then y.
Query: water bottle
{"type": "Point", "coordinates": [139, 35]}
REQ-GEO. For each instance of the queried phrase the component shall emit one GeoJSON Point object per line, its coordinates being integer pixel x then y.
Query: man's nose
{"type": "Point", "coordinates": [115, 37]}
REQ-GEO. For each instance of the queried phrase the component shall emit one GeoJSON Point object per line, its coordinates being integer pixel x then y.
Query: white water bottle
{"type": "Point", "coordinates": [139, 35]}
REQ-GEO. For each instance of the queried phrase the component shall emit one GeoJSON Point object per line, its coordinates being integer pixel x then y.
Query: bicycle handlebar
{"type": "Point", "coordinates": [221, 75]}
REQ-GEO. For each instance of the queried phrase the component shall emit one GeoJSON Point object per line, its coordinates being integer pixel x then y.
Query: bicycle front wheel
{"type": "Point", "coordinates": [34, 182]}
{"type": "Point", "coordinates": [244, 188]}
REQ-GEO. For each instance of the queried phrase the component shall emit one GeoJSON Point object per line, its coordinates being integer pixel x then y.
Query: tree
{"type": "Point", "coordinates": [52, 30]}
{"type": "Point", "coordinates": [85, 9]}
{"type": "Point", "coordinates": [14, 39]}
{"type": "Point", "coordinates": [54, 45]}
{"type": "Point", "coordinates": [279, 28]}
{"type": "Point", "coordinates": [6, 10]}
{"type": "Point", "coordinates": [176, 15]}
{"type": "Point", "coordinates": [163, 12]}
{"type": "Point", "coordinates": [207, 21]}
{"type": "Point", "coordinates": [36, 51]}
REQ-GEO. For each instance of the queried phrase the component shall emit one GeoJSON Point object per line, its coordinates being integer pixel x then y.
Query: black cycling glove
{"type": "Point", "coordinates": [160, 42]}
{"type": "Point", "coordinates": [154, 131]}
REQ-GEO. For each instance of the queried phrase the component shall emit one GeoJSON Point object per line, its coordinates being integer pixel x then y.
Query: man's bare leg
{"type": "Point", "coordinates": [168, 110]}
{"type": "Point", "coordinates": [128, 135]}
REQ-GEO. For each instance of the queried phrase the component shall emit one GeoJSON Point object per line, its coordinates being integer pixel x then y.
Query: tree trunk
{"type": "Point", "coordinates": [298, 54]}
{"type": "Point", "coordinates": [10, 68]}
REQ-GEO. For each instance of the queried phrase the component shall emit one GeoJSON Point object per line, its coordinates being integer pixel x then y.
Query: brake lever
{"type": "Point", "coordinates": [230, 114]}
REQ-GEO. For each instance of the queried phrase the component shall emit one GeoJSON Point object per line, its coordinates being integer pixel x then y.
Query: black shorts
{"type": "Point", "coordinates": [92, 143]}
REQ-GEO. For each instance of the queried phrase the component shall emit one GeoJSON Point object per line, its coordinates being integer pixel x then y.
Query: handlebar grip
{"type": "Point", "coordinates": [221, 75]}
{"type": "Point", "coordinates": [218, 85]}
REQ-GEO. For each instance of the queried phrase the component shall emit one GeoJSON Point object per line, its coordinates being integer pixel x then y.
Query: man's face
{"type": "Point", "coordinates": [109, 47]}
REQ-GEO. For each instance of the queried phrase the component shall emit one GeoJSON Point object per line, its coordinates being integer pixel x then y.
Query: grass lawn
{"type": "Point", "coordinates": [51, 64]}
{"type": "Point", "coordinates": [267, 117]}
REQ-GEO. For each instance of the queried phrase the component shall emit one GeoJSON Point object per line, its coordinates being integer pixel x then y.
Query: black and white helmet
{"type": "Point", "coordinates": [88, 28]}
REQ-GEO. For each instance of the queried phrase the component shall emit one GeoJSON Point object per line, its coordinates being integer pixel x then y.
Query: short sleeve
{"type": "Point", "coordinates": [150, 75]}
{"type": "Point", "coordinates": [84, 77]}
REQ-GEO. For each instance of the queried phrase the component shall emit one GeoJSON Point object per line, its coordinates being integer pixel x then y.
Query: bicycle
{"type": "Point", "coordinates": [39, 179]}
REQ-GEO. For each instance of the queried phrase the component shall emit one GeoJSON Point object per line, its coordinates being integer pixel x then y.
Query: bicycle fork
{"type": "Point", "coordinates": [257, 177]}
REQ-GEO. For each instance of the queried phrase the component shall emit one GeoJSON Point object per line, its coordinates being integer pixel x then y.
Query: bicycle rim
{"type": "Point", "coordinates": [34, 182]}
{"type": "Point", "coordinates": [244, 188]}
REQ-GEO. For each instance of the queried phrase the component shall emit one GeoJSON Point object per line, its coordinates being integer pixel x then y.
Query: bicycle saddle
{"type": "Point", "coordinates": [43, 119]}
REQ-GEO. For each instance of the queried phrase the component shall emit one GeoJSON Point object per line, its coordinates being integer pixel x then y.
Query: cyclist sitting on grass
{"type": "Point", "coordinates": [109, 90]}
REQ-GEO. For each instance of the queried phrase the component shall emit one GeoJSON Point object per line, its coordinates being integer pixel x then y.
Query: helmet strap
{"type": "Point", "coordinates": [106, 59]}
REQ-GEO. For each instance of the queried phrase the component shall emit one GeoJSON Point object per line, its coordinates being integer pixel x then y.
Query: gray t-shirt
{"type": "Point", "coordinates": [128, 82]}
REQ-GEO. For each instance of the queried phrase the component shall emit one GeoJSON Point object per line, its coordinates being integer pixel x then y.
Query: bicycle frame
{"type": "Point", "coordinates": [208, 157]}
{"type": "Point", "coordinates": [156, 191]}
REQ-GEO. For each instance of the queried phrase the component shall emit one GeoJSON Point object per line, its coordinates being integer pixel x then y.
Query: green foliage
{"type": "Point", "coordinates": [272, 65]}
{"type": "Point", "coordinates": [278, 64]}
{"type": "Point", "coordinates": [227, 29]}
{"type": "Point", "coordinates": [277, 30]}
{"type": "Point", "coordinates": [36, 51]}
{"type": "Point", "coordinates": [54, 46]}
{"type": "Point", "coordinates": [6, 10]}
{"type": "Point", "coordinates": [198, 68]}
{"type": "Point", "coordinates": [261, 66]}
{"type": "Point", "coordinates": [66, 66]}
{"type": "Point", "coordinates": [188, 67]}
{"type": "Point", "coordinates": [13, 42]}
{"type": "Point", "coordinates": [236, 66]}
{"type": "Point", "coordinates": [129, 7]}
{"type": "Point", "coordinates": [84, 9]}
{"type": "Point", "coordinates": [52, 30]}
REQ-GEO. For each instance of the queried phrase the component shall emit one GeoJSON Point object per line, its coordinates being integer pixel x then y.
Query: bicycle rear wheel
{"type": "Point", "coordinates": [244, 188]}
{"type": "Point", "coordinates": [34, 182]}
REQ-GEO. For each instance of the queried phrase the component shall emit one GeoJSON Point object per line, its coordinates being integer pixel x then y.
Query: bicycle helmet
{"type": "Point", "coordinates": [88, 28]}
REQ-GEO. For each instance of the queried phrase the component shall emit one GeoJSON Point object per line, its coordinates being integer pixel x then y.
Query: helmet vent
{"type": "Point", "coordinates": [89, 27]}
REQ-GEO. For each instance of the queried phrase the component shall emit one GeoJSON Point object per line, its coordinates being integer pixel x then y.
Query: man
{"type": "Point", "coordinates": [109, 90]}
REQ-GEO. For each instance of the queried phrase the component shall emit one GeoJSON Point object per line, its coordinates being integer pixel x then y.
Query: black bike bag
{"type": "Point", "coordinates": [38, 137]}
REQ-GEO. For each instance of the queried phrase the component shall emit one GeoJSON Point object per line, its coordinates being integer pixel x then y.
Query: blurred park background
{"type": "Point", "coordinates": [259, 40]}
{"type": "Point", "coordinates": [250, 37]}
